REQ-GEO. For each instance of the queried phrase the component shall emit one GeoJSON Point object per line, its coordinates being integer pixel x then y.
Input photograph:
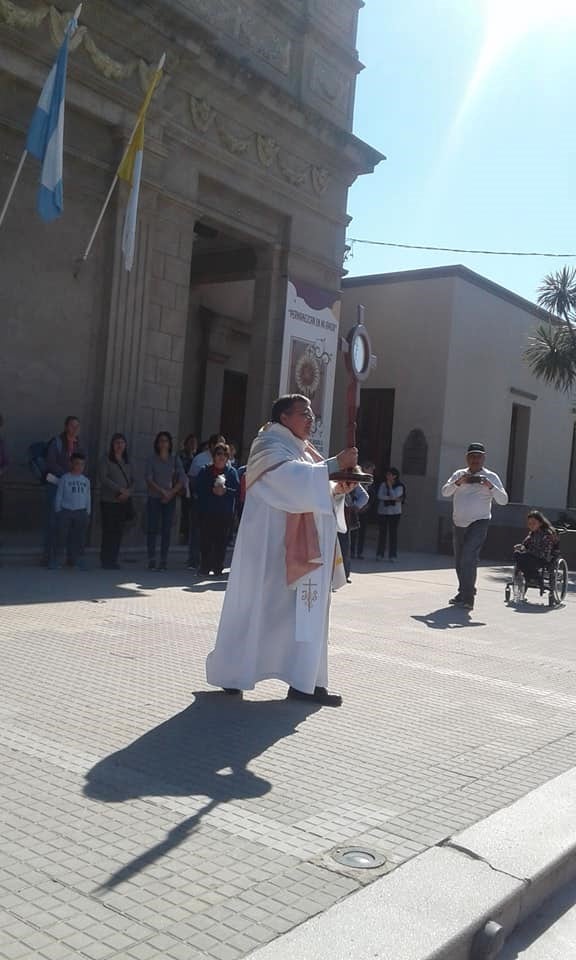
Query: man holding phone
{"type": "Point", "coordinates": [473, 488]}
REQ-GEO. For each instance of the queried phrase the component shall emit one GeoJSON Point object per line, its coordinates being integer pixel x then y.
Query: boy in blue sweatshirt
{"type": "Point", "coordinates": [72, 507]}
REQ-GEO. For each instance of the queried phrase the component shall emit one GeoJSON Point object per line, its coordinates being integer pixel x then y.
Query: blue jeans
{"type": "Point", "coordinates": [468, 542]}
{"type": "Point", "coordinates": [71, 527]}
{"type": "Point", "coordinates": [159, 521]}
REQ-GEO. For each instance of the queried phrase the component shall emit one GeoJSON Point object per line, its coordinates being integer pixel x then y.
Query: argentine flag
{"type": "Point", "coordinates": [46, 133]}
{"type": "Point", "coordinates": [130, 170]}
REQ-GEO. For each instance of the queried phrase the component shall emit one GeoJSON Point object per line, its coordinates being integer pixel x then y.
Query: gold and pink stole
{"type": "Point", "coordinates": [273, 446]}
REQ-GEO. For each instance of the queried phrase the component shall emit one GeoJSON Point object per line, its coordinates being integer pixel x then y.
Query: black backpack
{"type": "Point", "coordinates": [37, 453]}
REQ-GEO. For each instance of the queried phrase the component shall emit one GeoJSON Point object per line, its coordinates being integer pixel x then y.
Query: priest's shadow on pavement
{"type": "Point", "coordinates": [203, 751]}
{"type": "Point", "coordinates": [448, 618]}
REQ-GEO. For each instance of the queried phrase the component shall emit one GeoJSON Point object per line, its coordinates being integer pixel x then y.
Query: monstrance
{"type": "Point", "coordinates": [357, 350]}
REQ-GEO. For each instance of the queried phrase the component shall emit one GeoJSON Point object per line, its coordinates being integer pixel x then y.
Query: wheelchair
{"type": "Point", "coordinates": [551, 579]}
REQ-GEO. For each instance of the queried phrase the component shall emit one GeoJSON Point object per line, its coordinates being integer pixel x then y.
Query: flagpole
{"type": "Point", "coordinates": [25, 154]}
{"type": "Point", "coordinates": [13, 186]}
{"type": "Point", "coordinates": [86, 253]}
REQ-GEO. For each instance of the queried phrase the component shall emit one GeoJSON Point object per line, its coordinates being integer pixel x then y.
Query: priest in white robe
{"type": "Point", "coordinates": [275, 619]}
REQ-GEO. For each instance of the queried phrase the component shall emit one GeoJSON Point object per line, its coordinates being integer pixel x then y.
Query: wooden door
{"type": "Point", "coordinates": [233, 408]}
{"type": "Point", "coordinates": [375, 423]}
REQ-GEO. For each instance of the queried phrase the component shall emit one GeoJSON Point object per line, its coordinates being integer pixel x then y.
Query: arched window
{"type": "Point", "coordinates": [415, 454]}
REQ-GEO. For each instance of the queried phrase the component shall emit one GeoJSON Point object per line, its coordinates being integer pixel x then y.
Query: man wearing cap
{"type": "Point", "coordinates": [473, 488]}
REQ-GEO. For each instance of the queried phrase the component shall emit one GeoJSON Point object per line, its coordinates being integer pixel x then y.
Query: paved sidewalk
{"type": "Point", "coordinates": [142, 816]}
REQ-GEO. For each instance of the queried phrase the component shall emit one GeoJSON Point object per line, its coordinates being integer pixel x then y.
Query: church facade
{"type": "Point", "coordinates": [248, 160]}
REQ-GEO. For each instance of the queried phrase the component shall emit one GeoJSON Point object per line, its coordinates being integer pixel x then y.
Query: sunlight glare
{"type": "Point", "coordinates": [506, 22]}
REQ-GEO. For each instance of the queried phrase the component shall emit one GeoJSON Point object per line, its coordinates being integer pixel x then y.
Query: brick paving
{"type": "Point", "coordinates": [143, 816]}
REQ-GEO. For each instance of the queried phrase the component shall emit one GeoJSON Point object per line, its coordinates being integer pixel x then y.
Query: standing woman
{"type": "Point", "coordinates": [165, 479]}
{"type": "Point", "coordinates": [391, 495]}
{"type": "Point", "coordinates": [217, 487]}
{"type": "Point", "coordinates": [116, 504]}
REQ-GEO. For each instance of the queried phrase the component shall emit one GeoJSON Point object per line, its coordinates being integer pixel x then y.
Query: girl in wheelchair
{"type": "Point", "coordinates": [539, 548]}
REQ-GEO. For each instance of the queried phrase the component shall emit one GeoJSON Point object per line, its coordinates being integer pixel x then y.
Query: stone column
{"type": "Point", "coordinates": [127, 328]}
{"type": "Point", "coordinates": [169, 294]}
{"type": "Point", "coordinates": [147, 326]}
{"type": "Point", "coordinates": [266, 348]}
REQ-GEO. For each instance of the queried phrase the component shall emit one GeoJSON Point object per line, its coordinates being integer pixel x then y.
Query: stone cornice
{"type": "Point", "coordinates": [55, 21]}
{"type": "Point", "coordinates": [130, 77]}
{"type": "Point", "coordinates": [215, 56]}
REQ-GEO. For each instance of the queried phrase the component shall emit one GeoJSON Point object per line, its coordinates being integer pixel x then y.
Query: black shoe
{"type": "Point", "coordinates": [162, 567]}
{"type": "Point", "coordinates": [320, 695]}
{"type": "Point", "coordinates": [232, 691]}
{"type": "Point", "coordinates": [455, 601]}
{"type": "Point", "coordinates": [348, 579]}
{"type": "Point", "coordinates": [466, 604]}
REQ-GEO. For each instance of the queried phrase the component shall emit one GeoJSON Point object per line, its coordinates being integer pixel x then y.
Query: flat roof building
{"type": "Point", "coordinates": [451, 370]}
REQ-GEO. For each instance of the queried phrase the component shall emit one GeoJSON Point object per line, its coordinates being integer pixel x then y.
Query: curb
{"type": "Point", "coordinates": [436, 906]}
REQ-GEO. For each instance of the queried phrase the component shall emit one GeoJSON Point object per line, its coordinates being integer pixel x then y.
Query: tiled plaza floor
{"type": "Point", "coordinates": [142, 816]}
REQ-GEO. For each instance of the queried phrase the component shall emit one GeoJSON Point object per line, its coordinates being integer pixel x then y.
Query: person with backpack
{"type": "Point", "coordinates": [391, 498]}
{"type": "Point", "coordinates": [58, 458]}
{"type": "Point", "coordinates": [165, 479]}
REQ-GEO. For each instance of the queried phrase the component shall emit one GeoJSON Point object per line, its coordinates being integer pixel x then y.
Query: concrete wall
{"type": "Point", "coordinates": [486, 375]}
{"type": "Point", "coordinates": [409, 323]}
{"type": "Point", "coordinates": [53, 328]}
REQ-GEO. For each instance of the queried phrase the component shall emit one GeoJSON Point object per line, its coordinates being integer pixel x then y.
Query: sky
{"type": "Point", "coordinates": [473, 102]}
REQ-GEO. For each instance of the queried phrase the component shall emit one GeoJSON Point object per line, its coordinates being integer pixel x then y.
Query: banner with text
{"type": "Point", "coordinates": [310, 352]}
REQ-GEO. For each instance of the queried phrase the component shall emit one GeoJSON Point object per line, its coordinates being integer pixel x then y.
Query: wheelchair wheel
{"type": "Point", "coordinates": [559, 580]}
{"type": "Point", "coordinates": [518, 587]}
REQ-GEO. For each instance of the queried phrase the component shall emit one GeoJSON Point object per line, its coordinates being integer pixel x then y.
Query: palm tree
{"type": "Point", "coordinates": [552, 351]}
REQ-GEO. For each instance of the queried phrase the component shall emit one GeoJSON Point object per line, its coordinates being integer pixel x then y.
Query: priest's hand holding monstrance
{"type": "Point", "coordinates": [357, 351]}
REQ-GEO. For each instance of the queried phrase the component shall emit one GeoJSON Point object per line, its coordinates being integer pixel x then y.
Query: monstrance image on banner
{"type": "Point", "coordinates": [309, 353]}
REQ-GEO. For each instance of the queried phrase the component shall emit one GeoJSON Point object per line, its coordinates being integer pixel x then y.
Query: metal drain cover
{"type": "Point", "coordinates": [358, 858]}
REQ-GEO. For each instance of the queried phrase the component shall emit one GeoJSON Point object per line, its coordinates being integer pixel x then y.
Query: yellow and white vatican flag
{"type": "Point", "coordinates": [130, 170]}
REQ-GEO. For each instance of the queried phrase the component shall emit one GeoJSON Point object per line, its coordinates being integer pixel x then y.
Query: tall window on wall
{"type": "Point", "coordinates": [571, 499]}
{"type": "Point", "coordinates": [415, 454]}
{"type": "Point", "coordinates": [518, 452]}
